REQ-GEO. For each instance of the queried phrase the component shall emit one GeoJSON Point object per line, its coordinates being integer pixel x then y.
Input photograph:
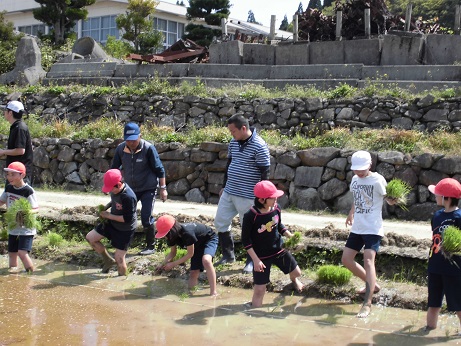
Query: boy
{"type": "Point", "coordinates": [19, 238]}
{"type": "Point", "coordinates": [201, 242]}
{"type": "Point", "coordinates": [121, 222]}
{"type": "Point", "coordinates": [262, 231]}
{"type": "Point", "coordinates": [368, 190]}
{"type": "Point", "coordinates": [444, 275]}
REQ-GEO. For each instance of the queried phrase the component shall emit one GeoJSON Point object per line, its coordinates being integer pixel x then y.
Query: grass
{"type": "Point", "coordinates": [335, 275]}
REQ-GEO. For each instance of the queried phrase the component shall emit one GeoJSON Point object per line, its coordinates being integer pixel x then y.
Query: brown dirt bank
{"type": "Point", "coordinates": [400, 264]}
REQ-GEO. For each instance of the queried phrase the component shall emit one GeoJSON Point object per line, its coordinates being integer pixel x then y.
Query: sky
{"type": "Point", "coordinates": [262, 9]}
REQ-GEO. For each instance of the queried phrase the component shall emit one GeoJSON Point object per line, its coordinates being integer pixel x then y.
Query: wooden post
{"type": "Point", "coordinates": [295, 28]}
{"type": "Point", "coordinates": [223, 26]}
{"type": "Point", "coordinates": [272, 32]}
{"type": "Point", "coordinates": [457, 19]}
{"type": "Point", "coordinates": [367, 23]}
{"type": "Point", "coordinates": [339, 24]}
{"type": "Point", "coordinates": [408, 17]}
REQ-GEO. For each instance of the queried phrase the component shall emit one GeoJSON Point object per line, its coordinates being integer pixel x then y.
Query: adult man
{"type": "Point", "coordinates": [19, 146]}
{"type": "Point", "coordinates": [142, 171]}
{"type": "Point", "coordinates": [248, 162]}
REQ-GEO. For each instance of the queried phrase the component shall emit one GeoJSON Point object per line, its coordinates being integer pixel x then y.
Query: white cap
{"type": "Point", "coordinates": [361, 160]}
{"type": "Point", "coordinates": [14, 106]}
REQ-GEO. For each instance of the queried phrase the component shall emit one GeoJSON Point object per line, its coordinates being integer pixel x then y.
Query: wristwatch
{"type": "Point", "coordinates": [163, 186]}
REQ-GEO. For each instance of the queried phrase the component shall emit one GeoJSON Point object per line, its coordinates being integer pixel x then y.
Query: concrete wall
{"type": "Point", "coordinates": [292, 54]}
{"type": "Point", "coordinates": [442, 49]}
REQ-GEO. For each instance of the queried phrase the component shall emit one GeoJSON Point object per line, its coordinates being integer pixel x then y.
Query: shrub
{"type": "Point", "coordinates": [54, 239]}
{"type": "Point", "coordinates": [335, 275]}
{"type": "Point", "coordinates": [119, 49]}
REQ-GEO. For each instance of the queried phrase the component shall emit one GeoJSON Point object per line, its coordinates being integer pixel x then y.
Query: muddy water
{"type": "Point", "coordinates": [64, 305]}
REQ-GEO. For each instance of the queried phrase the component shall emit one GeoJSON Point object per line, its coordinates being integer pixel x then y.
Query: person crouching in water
{"type": "Point", "coordinates": [120, 225]}
{"type": "Point", "coordinates": [262, 231]}
{"type": "Point", "coordinates": [201, 243]}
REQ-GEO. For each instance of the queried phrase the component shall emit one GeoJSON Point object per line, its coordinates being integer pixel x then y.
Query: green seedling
{"type": "Point", "coordinates": [292, 242]}
{"type": "Point", "coordinates": [331, 274]}
{"type": "Point", "coordinates": [19, 214]}
{"type": "Point", "coordinates": [398, 190]}
{"type": "Point", "coordinates": [451, 241]}
{"type": "Point", "coordinates": [54, 239]}
{"type": "Point", "coordinates": [101, 208]}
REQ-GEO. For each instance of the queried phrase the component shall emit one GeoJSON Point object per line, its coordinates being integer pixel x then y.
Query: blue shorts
{"type": "Point", "coordinates": [120, 240]}
{"type": "Point", "coordinates": [285, 261]}
{"type": "Point", "coordinates": [209, 248]}
{"type": "Point", "coordinates": [440, 285]}
{"type": "Point", "coordinates": [357, 241]}
{"type": "Point", "coordinates": [20, 242]}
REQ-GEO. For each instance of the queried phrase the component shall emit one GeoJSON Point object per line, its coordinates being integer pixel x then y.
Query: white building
{"type": "Point", "coordinates": [170, 19]}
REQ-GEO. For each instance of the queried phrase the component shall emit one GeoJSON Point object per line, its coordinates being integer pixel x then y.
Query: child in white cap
{"type": "Point", "coordinates": [369, 191]}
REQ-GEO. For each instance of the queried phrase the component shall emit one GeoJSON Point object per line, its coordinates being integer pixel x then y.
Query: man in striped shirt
{"type": "Point", "coordinates": [248, 162]}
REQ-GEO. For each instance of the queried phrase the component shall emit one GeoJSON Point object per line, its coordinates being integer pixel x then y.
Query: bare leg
{"type": "Point", "coordinates": [26, 261]}
{"type": "Point", "coordinates": [193, 278]}
{"type": "Point", "coordinates": [294, 275]}
{"type": "Point", "coordinates": [121, 263]}
{"type": "Point", "coordinates": [207, 261]}
{"type": "Point", "coordinates": [94, 238]}
{"type": "Point", "coordinates": [258, 295]}
{"type": "Point", "coordinates": [432, 317]}
{"type": "Point", "coordinates": [13, 259]}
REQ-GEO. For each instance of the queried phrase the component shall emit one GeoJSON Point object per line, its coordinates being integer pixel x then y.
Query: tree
{"type": "Point", "coordinates": [284, 23]}
{"type": "Point", "coordinates": [210, 11]}
{"type": "Point", "coordinates": [8, 44]}
{"type": "Point", "coordinates": [300, 8]}
{"type": "Point", "coordinates": [251, 17]}
{"type": "Point", "coordinates": [61, 15]}
{"type": "Point", "coordinates": [327, 3]}
{"type": "Point", "coordinates": [180, 3]}
{"type": "Point", "coordinates": [137, 26]}
{"type": "Point", "coordinates": [315, 4]}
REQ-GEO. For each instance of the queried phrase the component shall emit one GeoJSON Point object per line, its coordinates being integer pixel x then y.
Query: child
{"type": "Point", "coordinates": [262, 231]}
{"type": "Point", "coordinates": [19, 238]}
{"type": "Point", "coordinates": [121, 222]}
{"type": "Point", "coordinates": [444, 276]}
{"type": "Point", "coordinates": [201, 242]}
{"type": "Point", "coordinates": [368, 190]}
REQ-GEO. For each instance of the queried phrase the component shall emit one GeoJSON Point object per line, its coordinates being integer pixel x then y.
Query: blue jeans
{"type": "Point", "coordinates": [228, 207]}
{"type": "Point", "coordinates": [147, 199]}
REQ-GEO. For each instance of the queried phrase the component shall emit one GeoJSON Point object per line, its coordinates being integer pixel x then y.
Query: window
{"type": "Point", "coordinates": [172, 31]}
{"type": "Point", "coordinates": [100, 27]}
{"type": "Point", "coordinates": [32, 29]}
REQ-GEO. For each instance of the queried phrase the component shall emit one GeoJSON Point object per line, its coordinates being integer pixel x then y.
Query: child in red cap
{"type": "Point", "coordinates": [19, 238]}
{"type": "Point", "coordinates": [201, 243]}
{"type": "Point", "coordinates": [121, 222]}
{"type": "Point", "coordinates": [262, 231]}
{"type": "Point", "coordinates": [444, 275]}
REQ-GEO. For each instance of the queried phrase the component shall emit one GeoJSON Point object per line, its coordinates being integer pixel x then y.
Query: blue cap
{"type": "Point", "coordinates": [131, 132]}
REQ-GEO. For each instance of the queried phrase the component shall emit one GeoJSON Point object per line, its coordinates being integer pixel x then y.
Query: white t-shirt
{"type": "Point", "coordinates": [369, 193]}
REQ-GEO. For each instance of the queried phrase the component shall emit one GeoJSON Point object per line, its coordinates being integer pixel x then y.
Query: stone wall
{"type": "Point", "coordinates": [314, 179]}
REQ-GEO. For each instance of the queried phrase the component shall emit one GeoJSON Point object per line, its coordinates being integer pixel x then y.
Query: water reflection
{"type": "Point", "coordinates": [63, 305]}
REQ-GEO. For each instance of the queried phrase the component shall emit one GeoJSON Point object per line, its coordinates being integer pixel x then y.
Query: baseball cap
{"type": "Point", "coordinates": [164, 224]}
{"type": "Point", "coordinates": [17, 167]}
{"type": "Point", "coordinates": [266, 189]}
{"type": "Point", "coordinates": [14, 106]}
{"type": "Point", "coordinates": [361, 160]}
{"type": "Point", "coordinates": [131, 132]}
{"type": "Point", "coordinates": [447, 187]}
{"type": "Point", "coordinates": [111, 178]}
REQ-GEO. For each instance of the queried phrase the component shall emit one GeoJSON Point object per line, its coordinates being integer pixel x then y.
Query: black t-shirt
{"type": "Point", "coordinates": [193, 233]}
{"type": "Point", "coordinates": [20, 138]}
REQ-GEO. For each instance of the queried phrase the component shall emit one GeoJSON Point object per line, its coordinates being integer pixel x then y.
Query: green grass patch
{"type": "Point", "coordinates": [334, 275]}
{"type": "Point", "coordinates": [55, 239]}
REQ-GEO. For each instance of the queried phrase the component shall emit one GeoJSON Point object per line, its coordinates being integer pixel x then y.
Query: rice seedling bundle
{"type": "Point", "coordinates": [331, 274]}
{"type": "Point", "coordinates": [398, 190]}
{"type": "Point", "coordinates": [451, 241]}
{"type": "Point", "coordinates": [19, 214]}
{"type": "Point", "coordinates": [292, 242]}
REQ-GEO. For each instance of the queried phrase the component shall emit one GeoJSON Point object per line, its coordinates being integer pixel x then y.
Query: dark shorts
{"type": "Point", "coordinates": [440, 285]}
{"type": "Point", "coordinates": [285, 261]}
{"type": "Point", "coordinates": [20, 242]}
{"type": "Point", "coordinates": [209, 248]}
{"type": "Point", "coordinates": [118, 239]}
{"type": "Point", "coordinates": [357, 241]}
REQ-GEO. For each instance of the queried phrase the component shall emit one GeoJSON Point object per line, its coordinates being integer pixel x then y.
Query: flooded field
{"type": "Point", "coordinates": [65, 305]}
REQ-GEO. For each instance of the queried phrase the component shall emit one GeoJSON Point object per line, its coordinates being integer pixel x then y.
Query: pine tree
{"type": "Point", "coordinates": [284, 23]}
{"type": "Point", "coordinates": [251, 17]}
{"type": "Point", "coordinates": [315, 4]}
{"type": "Point", "coordinates": [327, 3]}
{"type": "Point", "coordinates": [300, 8]}
{"type": "Point", "coordinates": [210, 11]}
{"type": "Point", "coordinates": [61, 15]}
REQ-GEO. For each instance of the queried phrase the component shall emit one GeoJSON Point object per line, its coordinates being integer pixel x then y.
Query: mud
{"type": "Point", "coordinates": [318, 245]}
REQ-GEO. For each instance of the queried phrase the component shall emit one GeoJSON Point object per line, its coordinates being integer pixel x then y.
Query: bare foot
{"type": "Point", "coordinates": [214, 294]}
{"type": "Point", "coordinates": [363, 290]}
{"type": "Point", "coordinates": [298, 285]}
{"type": "Point", "coordinates": [364, 311]}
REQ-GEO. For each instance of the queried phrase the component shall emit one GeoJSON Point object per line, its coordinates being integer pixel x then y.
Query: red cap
{"type": "Point", "coordinates": [17, 167]}
{"type": "Point", "coordinates": [447, 187]}
{"type": "Point", "coordinates": [111, 178]}
{"type": "Point", "coordinates": [164, 224]}
{"type": "Point", "coordinates": [265, 189]}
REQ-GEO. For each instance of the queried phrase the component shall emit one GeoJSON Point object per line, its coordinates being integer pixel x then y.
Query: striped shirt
{"type": "Point", "coordinates": [243, 172]}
